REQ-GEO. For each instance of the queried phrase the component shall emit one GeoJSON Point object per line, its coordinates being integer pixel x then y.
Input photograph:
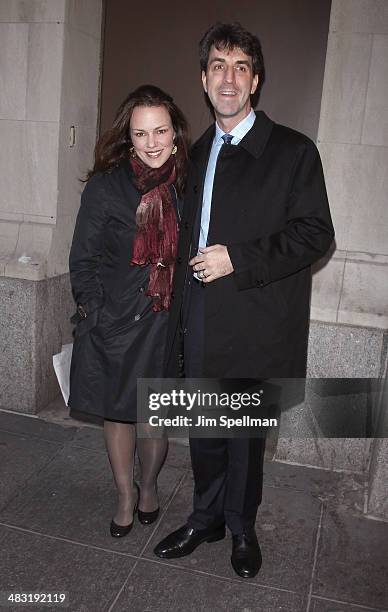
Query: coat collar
{"type": "Point", "coordinates": [254, 141]}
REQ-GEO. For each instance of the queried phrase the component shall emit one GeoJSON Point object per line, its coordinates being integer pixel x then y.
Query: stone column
{"type": "Point", "coordinates": [353, 141]}
{"type": "Point", "coordinates": [350, 290]}
{"type": "Point", "coordinates": [50, 67]}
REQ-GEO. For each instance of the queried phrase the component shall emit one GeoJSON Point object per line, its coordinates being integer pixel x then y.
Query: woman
{"type": "Point", "coordinates": [121, 267]}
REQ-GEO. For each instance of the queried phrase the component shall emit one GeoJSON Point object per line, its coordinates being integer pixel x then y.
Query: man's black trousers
{"type": "Point", "coordinates": [228, 472]}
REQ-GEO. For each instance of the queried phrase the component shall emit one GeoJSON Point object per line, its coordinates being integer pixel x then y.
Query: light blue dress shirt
{"type": "Point", "coordinates": [238, 133]}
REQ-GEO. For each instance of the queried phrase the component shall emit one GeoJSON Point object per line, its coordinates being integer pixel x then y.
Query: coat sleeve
{"type": "Point", "coordinates": [87, 245]}
{"type": "Point", "coordinates": [306, 237]}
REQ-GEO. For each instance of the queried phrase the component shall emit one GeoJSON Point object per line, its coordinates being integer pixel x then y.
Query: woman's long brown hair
{"type": "Point", "coordinates": [113, 146]}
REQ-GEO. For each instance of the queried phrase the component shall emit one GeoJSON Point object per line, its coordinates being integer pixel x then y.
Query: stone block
{"type": "Point", "coordinates": [45, 54]}
{"type": "Point", "coordinates": [331, 429]}
{"type": "Point", "coordinates": [338, 176]}
{"type": "Point", "coordinates": [378, 472]}
{"type": "Point", "coordinates": [377, 495]}
{"type": "Point", "coordinates": [13, 70]}
{"type": "Point", "coordinates": [375, 131]}
{"type": "Point", "coordinates": [326, 289]}
{"type": "Point", "coordinates": [333, 408]}
{"type": "Point", "coordinates": [344, 351]}
{"type": "Point", "coordinates": [34, 242]}
{"type": "Point", "coordinates": [58, 259]}
{"type": "Point", "coordinates": [16, 339]}
{"type": "Point", "coordinates": [29, 162]}
{"type": "Point", "coordinates": [345, 87]}
{"type": "Point", "coordinates": [74, 162]}
{"type": "Point", "coordinates": [359, 16]}
{"type": "Point", "coordinates": [335, 351]}
{"type": "Point", "coordinates": [330, 453]}
{"type": "Point", "coordinates": [357, 185]}
{"type": "Point", "coordinates": [9, 232]}
{"type": "Point", "coordinates": [73, 165]}
{"type": "Point", "coordinates": [37, 316]}
{"type": "Point", "coordinates": [80, 78]}
{"type": "Point", "coordinates": [32, 11]}
{"type": "Point", "coordinates": [85, 16]}
{"type": "Point", "coordinates": [364, 297]}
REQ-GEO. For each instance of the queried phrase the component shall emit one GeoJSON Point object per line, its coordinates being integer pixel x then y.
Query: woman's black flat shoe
{"type": "Point", "coordinates": [147, 518]}
{"type": "Point", "coordinates": [119, 531]}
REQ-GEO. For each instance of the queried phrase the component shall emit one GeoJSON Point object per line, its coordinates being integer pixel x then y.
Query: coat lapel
{"type": "Point", "coordinates": [256, 139]}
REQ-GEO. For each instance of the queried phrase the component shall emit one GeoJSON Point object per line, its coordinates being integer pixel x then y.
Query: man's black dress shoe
{"type": "Point", "coordinates": [246, 555]}
{"type": "Point", "coordinates": [119, 531]}
{"type": "Point", "coordinates": [147, 518]}
{"type": "Point", "coordinates": [186, 539]}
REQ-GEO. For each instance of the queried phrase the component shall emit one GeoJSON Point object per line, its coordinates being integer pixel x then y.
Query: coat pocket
{"type": "Point", "coordinates": [86, 325]}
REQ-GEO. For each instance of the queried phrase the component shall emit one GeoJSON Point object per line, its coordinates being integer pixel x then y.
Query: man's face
{"type": "Point", "coordinates": [229, 82]}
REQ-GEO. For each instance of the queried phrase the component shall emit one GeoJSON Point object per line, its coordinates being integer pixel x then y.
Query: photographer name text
{"type": "Point", "coordinates": [202, 421]}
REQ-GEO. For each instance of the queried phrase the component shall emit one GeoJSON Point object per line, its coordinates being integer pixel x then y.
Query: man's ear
{"type": "Point", "coordinates": [255, 83]}
{"type": "Point", "coordinates": [204, 83]}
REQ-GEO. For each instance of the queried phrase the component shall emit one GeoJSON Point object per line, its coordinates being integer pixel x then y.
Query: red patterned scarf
{"type": "Point", "coordinates": [156, 237]}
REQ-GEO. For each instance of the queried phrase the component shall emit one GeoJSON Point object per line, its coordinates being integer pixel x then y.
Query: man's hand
{"type": "Point", "coordinates": [212, 262]}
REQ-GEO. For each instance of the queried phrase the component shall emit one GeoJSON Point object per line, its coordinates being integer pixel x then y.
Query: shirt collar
{"type": "Point", "coordinates": [239, 131]}
{"type": "Point", "coordinates": [254, 141]}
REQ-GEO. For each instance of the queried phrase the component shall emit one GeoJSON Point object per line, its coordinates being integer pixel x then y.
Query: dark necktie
{"type": "Point", "coordinates": [227, 138]}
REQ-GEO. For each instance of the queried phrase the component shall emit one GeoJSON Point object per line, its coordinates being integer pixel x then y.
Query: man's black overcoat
{"type": "Point", "coordinates": [270, 208]}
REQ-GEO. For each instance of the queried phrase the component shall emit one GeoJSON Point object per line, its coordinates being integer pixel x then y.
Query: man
{"type": "Point", "coordinates": [256, 217]}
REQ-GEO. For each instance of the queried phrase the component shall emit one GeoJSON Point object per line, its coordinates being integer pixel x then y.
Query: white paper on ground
{"type": "Point", "coordinates": [61, 363]}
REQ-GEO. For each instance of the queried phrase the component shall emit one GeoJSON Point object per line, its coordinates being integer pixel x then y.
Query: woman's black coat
{"type": "Point", "coordinates": [122, 338]}
{"type": "Point", "coordinates": [270, 208]}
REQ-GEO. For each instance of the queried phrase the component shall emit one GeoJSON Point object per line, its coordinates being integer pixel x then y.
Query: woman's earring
{"type": "Point", "coordinates": [174, 149]}
{"type": "Point", "coordinates": [132, 152]}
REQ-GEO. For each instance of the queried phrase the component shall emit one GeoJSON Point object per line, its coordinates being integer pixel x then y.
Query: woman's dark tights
{"type": "Point", "coordinates": [120, 441]}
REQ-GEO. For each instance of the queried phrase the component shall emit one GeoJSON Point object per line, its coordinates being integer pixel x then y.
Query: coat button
{"type": "Point", "coordinates": [136, 317]}
{"type": "Point", "coordinates": [186, 225]}
{"type": "Point", "coordinates": [179, 260]}
{"type": "Point", "coordinates": [195, 188]}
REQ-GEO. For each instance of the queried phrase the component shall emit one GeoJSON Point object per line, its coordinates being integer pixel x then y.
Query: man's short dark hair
{"type": "Point", "coordinates": [230, 36]}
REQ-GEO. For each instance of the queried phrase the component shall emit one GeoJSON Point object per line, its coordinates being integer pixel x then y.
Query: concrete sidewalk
{"type": "Point", "coordinates": [320, 553]}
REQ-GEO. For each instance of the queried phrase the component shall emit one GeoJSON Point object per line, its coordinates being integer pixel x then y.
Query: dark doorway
{"type": "Point", "coordinates": [156, 42]}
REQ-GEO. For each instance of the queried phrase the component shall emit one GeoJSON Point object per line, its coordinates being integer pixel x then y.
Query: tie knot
{"type": "Point", "coordinates": [227, 138]}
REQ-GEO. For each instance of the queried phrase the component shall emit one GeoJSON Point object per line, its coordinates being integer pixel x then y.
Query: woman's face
{"type": "Point", "coordinates": [152, 134]}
